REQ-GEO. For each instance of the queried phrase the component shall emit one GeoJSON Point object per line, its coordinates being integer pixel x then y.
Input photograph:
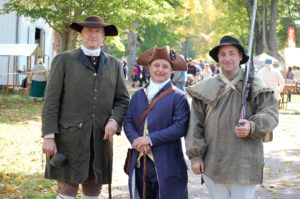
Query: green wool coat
{"type": "Point", "coordinates": [211, 137]}
{"type": "Point", "coordinates": [78, 104]}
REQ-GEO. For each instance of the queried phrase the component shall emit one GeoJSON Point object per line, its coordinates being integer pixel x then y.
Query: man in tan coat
{"type": "Point", "coordinates": [229, 156]}
{"type": "Point", "coordinates": [85, 102]}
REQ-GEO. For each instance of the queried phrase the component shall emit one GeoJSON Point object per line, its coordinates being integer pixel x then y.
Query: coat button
{"type": "Point", "coordinates": [93, 115]}
{"type": "Point", "coordinates": [80, 125]}
{"type": "Point", "coordinates": [95, 74]}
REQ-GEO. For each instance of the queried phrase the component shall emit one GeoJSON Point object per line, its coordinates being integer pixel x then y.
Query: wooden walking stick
{"type": "Point", "coordinates": [144, 176]}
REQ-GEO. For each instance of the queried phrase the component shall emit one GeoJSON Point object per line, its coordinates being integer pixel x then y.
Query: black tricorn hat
{"type": "Point", "coordinates": [176, 60]}
{"type": "Point", "coordinates": [95, 22]}
{"type": "Point", "coordinates": [228, 40]}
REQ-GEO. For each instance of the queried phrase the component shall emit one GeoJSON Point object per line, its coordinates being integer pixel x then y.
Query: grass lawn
{"type": "Point", "coordinates": [22, 162]}
{"type": "Point", "coordinates": [21, 169]}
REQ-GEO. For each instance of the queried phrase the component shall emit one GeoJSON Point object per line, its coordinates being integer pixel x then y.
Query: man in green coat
{"type": "Point", "coordinates": [229, 156]}
{"type": "Point", "coordinates": [85, 102]}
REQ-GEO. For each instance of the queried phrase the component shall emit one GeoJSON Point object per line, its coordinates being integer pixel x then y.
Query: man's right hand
{"type": "Point", "coordinates": [49, 147]}
{"type": "Point", "coordinates": [198, 168]}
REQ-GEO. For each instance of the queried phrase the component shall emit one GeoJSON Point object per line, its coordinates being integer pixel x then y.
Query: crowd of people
{"type": "Point", "coordinates": [87, 103]}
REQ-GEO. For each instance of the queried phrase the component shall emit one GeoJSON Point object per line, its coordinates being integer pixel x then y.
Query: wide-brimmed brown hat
{"type": "Point", "coordinates": [176, 60]}
{"type": "Point", "coordinates": [228, 40]}
{"type": "Point", "coordinates": [95, 22]}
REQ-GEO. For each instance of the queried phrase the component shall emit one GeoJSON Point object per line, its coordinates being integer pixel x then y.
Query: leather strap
{"type": "Point", "coordinates": [150, 106]}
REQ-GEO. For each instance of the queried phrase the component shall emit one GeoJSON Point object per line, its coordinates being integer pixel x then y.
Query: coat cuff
{"type": "Point", "coordinates": [196, 160]}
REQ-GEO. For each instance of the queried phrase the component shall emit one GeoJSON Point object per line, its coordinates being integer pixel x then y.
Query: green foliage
{"type": "Point", "coordinates": [159, 35]}
{"type": "Point", "coordinates": [199, 23]}
{"type": "Point", "coordinates": [289, 13]}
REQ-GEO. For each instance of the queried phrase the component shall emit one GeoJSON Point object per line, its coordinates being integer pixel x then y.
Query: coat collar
{"type": "Point", "coordinates": [85, 61]}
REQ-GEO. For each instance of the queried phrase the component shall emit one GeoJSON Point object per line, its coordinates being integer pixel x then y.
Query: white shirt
{"type": "Point", "coordinates": [89, 52]}
{"type": "Point", "coordinates": [273, 78]}
{"type": "Point", "coordinates": [153, 88]}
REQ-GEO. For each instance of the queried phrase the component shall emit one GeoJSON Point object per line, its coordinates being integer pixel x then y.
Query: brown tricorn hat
{"type": "Point", "coordinates": [176, 60]}
{"type": "Point", "coordinates": [95, 22]}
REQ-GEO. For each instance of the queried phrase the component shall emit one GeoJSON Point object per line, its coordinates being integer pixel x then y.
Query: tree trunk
{"type": "Point", "coordinates": [257, 43]}
{"type": "Point", "coordinates": [185, 50]}
{"type": "Point", "coordinates": [265, 27]}
{"type": "Point", "coordinates": [132, 50]}
{"type": "Point", "coordinates": [272, 39]}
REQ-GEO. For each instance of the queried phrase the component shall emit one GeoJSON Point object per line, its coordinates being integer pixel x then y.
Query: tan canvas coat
{"type": "Point", "coordinates": [78, 104]}
{"type": "Point", "coordinates": [227, 158]}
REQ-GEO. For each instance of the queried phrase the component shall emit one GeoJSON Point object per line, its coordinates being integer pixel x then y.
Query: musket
{"type": "Point", "coordinates": [249, 69]}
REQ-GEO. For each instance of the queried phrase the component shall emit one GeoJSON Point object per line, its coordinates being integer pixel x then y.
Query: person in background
{"type": "Point", "coordinates": [226, 150]}
{"type": "Point", "coordinates": [158, 138]}
{"type": "Point", "coordinates": [38, 78]}
{"type": "Point", "coordinates": [206, 72]}
{"type": "Point", "coordinates": [179, 79]}
{"type": "Point", "coordinates": [125, 69]}
{"type": "Point", "coordinates": [85, 103]}
{"type": "Point", "coordinates": [289, 79]}
{"type": "Point", "coordinates": [272, 78]}
{"type": "Point", "coordinates": [134, 76]}
{"type": "Point", "coordinates": [296, 74]}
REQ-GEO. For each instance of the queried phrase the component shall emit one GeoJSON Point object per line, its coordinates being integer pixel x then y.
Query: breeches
{"type": "Point", "coordinates": [88, 189]}
{"type": "Point", "coordinates": [229, 191]}
{"type": "Point", "coordinates": [152, 188]}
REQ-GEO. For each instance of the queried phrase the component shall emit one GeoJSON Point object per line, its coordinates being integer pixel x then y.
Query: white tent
{"type": "Point", "coordinates": [260, 59]}
{"type": "Point", "coordinates": [17, 49]}
{"type": "Point", "coordinates": [291, 56]}
{"type": "Point", "coordinates": [11, 50]}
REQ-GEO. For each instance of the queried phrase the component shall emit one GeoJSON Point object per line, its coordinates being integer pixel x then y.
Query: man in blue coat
{"type": "Point", "coordinates": [159, 137]}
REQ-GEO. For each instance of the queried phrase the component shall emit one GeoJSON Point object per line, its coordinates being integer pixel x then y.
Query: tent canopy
{"type": "Point", "coordinates": [17, 49]}
{"type": "Point", "coordinates": [260, 59]}
{"type": "Point", "coordinates": [291, 56]}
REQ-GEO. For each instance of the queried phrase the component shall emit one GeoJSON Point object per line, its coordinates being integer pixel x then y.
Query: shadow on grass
{"type": "Point", "coordinates": [282, 174]}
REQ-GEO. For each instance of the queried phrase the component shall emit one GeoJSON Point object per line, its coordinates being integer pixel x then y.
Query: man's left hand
{"type": "Point", "coordinates": [110, 129]}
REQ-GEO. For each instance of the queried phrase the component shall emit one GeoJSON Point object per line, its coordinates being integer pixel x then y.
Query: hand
{"type": "Point", "coordinates": [49, 147]}
{"type": "Point", "coordinates": [243, 130]}
{"type": "Point", "coordinates": [198, 168]}
{"type": "Point", "coordinates": [141, 142]}
{"type": "Point", "coordinates": [110, 129]}
{"type": "Point", "coordinates": [144, 150]}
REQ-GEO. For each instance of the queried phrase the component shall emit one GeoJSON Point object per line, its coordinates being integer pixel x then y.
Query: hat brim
{"type": "Point", "coordinates": [178, 64]}
{"type": "Point", "coordinates": [214, 52]}
{"type": "Point", "coordinates": [109, 30]}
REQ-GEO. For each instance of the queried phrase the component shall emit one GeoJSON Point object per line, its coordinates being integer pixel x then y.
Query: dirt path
{"type": "Point", "coordinates": [281, 173]}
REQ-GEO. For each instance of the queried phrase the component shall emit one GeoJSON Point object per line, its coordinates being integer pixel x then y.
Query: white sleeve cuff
{"type": "Point", "coordinates": [52, 135]}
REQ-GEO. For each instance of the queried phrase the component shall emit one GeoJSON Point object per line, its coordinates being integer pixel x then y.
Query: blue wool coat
{"type": "Point", "coordinates": [167, 123]}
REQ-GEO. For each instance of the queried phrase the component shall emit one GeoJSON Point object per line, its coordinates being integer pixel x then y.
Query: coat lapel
{"type": "Point", "coordinates": [102, 62]}
{"type": "Point", "coordinates": [85, 61]}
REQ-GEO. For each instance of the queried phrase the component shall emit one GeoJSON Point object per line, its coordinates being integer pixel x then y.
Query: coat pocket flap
{"type": "Point", "coordinates": [68, 122]}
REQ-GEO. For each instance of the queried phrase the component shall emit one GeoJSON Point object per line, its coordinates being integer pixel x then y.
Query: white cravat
{"type": "Point", "coordinates": [89, 52]}
{"type": "Point", "coordinates": [153, 88]}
